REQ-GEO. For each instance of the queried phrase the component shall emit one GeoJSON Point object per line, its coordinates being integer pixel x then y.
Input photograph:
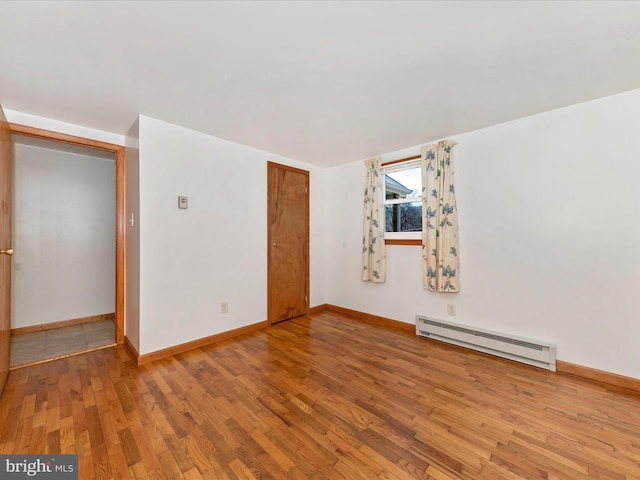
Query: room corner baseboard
{"type": "Point", "coordinates": [374, 319]}
{"type": "Point", "coordinates": [63, 323]}
{"type": "Point", "coordinates": [601, 376]}
{"type": "Point", "coordinates": [131, 350]}
{"type": "Point", "coordinates": [201, 342]}
{"type": "Point", "coordinates": [317, 309]}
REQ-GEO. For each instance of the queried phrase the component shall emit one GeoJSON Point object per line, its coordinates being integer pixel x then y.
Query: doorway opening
{"type": "Point", "coordinates": [67, 282]}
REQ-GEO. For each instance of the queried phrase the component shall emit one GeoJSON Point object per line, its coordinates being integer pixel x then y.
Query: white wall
{"type": "Point", "coordinates": [216, 250]}
{"type": "Point", "coordinates": [548, 232]}
{"type": "Point", "coordinates": [548, 235]}
{"type": "Point", "coordinates": [132, 237]}
{"type": "Point", "coordinates": [64, 236]}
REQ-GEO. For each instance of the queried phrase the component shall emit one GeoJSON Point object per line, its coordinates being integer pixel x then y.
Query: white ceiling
{"type": "Point", "coordinates": [322, 82]}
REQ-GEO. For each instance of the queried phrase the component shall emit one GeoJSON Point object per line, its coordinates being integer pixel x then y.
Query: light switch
{"type": "Point", "coordinates": [183, 202]}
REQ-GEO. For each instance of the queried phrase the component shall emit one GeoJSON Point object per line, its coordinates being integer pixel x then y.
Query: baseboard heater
{"type": "Point", "coordinates": [531, 352]}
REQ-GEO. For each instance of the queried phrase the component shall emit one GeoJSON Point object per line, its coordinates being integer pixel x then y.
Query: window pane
{"type": "Point", "coordinates": [403, 217]}
{"type": "Point", "coordinates": [403, 184]}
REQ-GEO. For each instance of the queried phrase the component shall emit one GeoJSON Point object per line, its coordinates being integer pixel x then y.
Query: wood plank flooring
{"type": "Point", "coordinates": [321, 397]}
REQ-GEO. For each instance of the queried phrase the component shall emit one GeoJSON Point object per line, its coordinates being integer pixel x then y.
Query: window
{"type": "Point", "coordinates": [403, 200]}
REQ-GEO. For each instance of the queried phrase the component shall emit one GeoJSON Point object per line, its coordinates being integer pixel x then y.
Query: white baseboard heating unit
{"type": "Point", "coordinates": [531, 352]}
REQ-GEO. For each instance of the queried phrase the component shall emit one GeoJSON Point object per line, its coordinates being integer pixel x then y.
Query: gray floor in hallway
{"type": "Point", "coordinates": [37, 346]}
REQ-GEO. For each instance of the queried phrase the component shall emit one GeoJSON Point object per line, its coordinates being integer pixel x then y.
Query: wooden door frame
{"type": "Point", "coordinates": [118, 151]}
{"type": "Point", "coordinates": [271, 165]}
{"type": "Point", "coordinates": [6, 221]}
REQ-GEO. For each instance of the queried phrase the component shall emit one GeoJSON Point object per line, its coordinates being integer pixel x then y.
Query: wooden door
{"type": "Point", "coordinates": [288, 242]}
{"type": "Point", "coordinates": [6, 181]}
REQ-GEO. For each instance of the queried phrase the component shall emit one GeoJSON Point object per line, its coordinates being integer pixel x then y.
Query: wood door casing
{"type": "Point", "coordinates": [118, 151]}
{"type": "Point", "coordinates": [6, 183]}
{"type": "Point", "coordinates": [288, 242]}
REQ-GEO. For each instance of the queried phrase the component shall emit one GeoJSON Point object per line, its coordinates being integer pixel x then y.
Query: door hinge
{"type": "Point", "coordinates": [306, 190]}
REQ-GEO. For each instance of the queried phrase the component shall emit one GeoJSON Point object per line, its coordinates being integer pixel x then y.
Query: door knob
{"type": "Point", "coordinates": [8, 251]}
{"type": "Point", "coordinates": [275, 244]}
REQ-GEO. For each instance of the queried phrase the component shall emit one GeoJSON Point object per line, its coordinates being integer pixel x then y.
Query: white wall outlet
{"type": "Point", "coordinates": [224, 307]}
{"type": "Point", "coordinates": [451, 309]}
{"type": "Point", "coordinates": [183, 202]}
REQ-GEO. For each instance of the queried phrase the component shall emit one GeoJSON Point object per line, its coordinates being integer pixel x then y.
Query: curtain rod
{"type": "Point", "coordinates": [401, 160]}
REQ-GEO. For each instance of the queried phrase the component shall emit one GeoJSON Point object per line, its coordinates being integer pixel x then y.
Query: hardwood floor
{"type": "Point", "coordinates": [321, 397]}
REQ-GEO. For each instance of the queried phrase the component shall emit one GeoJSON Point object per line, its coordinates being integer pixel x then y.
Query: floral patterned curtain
{"type": "Point", "coordinates": [439, 219]}
{"type": "Point", "coordinates": [373, 254]}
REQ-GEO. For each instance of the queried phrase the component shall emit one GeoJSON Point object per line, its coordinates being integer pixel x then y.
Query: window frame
{"type": "Point", "coordinates": [401, 238]}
